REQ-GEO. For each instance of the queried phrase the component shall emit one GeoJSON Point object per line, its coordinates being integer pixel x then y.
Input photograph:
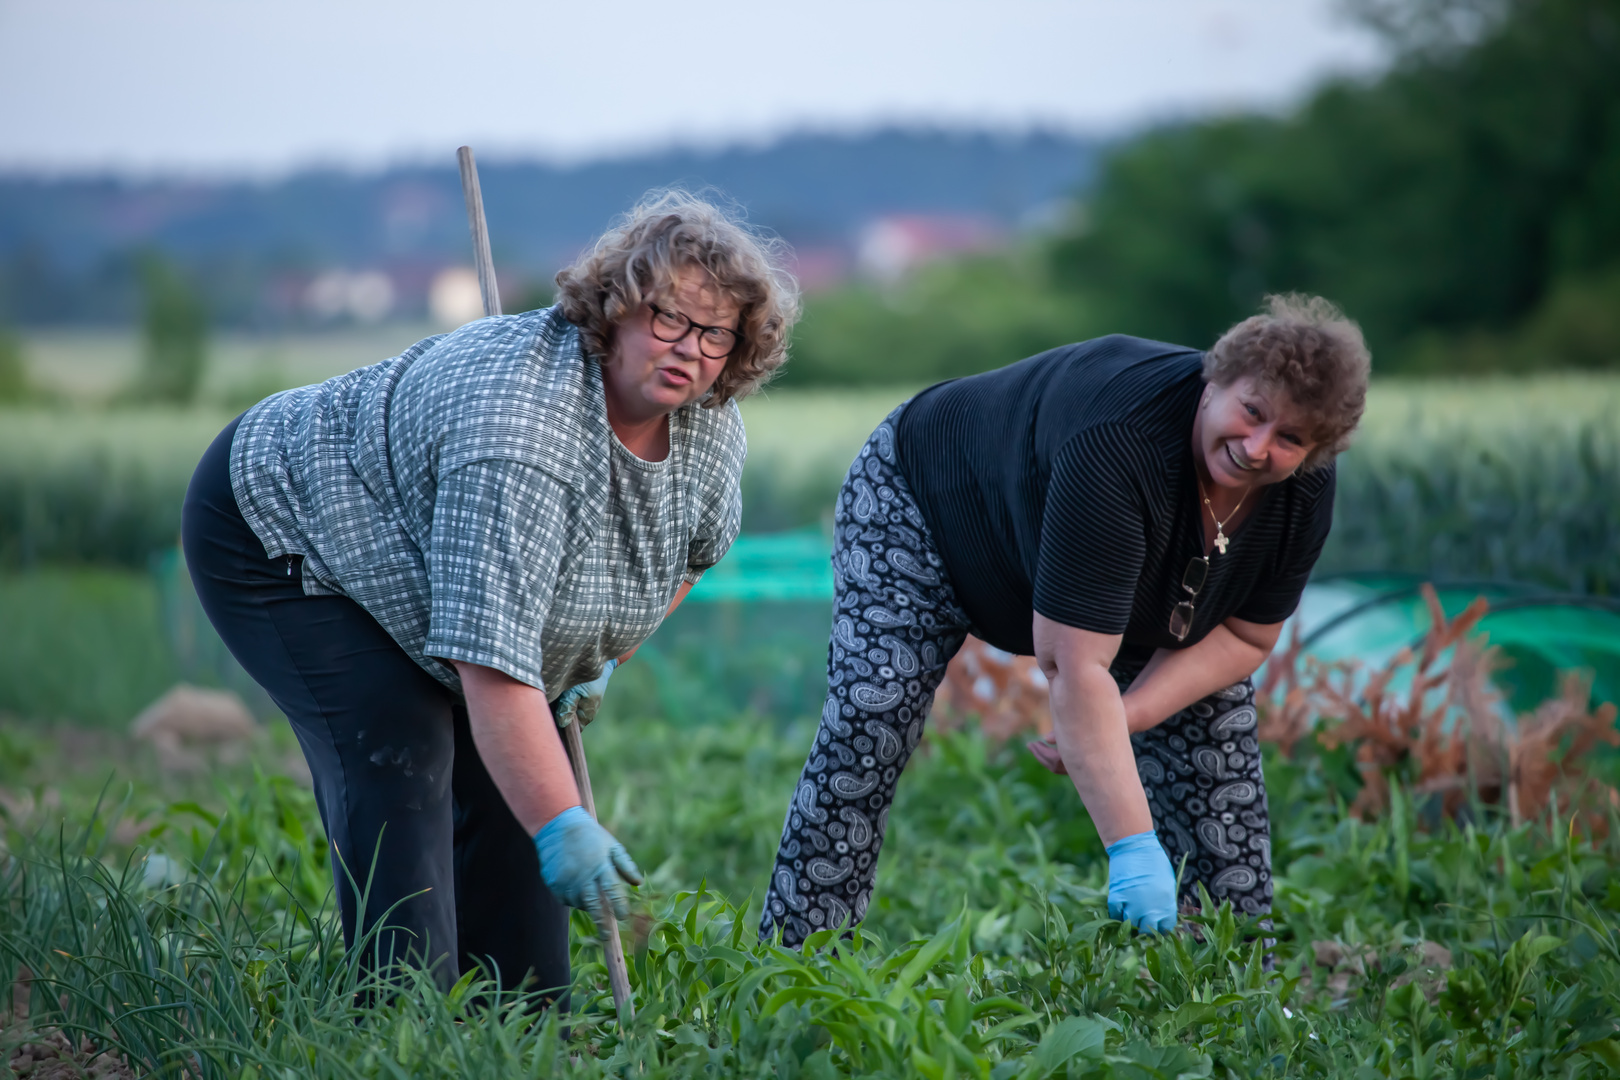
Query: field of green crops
{"type": "Point", "coordinates": [1505, 478]}
{"type": "Point", "coordinates": [194, 940]}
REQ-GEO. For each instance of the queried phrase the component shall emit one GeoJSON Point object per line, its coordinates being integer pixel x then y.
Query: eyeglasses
{"type": "Point", "coordinates": [1192, 580]}
{"type": "Point", "coordinates": [715, 342]}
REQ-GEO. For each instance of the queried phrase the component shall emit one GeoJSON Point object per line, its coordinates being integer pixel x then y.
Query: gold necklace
{"type": "Point", "coordinates": [1221, 539]}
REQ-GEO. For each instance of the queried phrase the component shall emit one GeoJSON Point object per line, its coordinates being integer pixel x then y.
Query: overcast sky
{"type": "Point", "coordinates": [265, 86]}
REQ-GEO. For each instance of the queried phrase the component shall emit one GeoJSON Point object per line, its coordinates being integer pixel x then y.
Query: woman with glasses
{"type": "Point", "coordinates": [1140, 517]}
{"type": "Point", "coordinates": [424, 559]}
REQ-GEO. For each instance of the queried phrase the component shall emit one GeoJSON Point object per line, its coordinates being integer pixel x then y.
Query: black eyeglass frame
{"type": "Point", "coordinates": [1182, 613]}
{"type": "Point", "coordinates": [736, 338]}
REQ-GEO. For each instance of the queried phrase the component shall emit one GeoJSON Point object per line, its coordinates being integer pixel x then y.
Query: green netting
{"type": "Point", "coordinates": [754, 632]}
{"type": "Point", "coordinates": [1368, 618]}
{"type": "Point", "coordinates": [773, 566]}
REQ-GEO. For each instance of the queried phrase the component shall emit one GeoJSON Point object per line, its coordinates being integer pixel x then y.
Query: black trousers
{"type": "Point", "coordinates": [407, 804]}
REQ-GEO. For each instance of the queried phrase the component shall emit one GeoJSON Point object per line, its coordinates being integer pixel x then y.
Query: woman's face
{"type": "Point", "coordinates": [647, 377]}
{"type": "Point", "coordinates": [1250, 436]}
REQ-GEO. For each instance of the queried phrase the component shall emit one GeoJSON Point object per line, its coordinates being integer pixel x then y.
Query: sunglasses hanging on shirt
{"type": "Point", "coordinates": [1192, 582]}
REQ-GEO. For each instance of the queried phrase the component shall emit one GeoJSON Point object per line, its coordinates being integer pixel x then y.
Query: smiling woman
{"type": "Point", "coordinates": [423, 560]}
{"type": "Point", "coordinates": [1140, 517]}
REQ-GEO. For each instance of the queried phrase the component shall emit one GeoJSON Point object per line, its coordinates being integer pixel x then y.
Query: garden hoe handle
{"type": "Point", "coordinates": [482, 259]}
{"type": "Point", "coordinates": [612, 947]}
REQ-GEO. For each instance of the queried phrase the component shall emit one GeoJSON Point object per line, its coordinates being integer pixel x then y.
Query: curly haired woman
{"type": "Point", "coordinates": [1141, 518]}
{"type": "Point", "coordinates": [421, 560]}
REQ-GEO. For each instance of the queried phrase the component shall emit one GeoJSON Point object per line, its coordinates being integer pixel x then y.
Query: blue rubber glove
{"type": "Point", "coordinates": [581, 863]}
{"type": "Point", "coordinates": [583, 699]}
{"type": "Point", "coordinates": [1141, 885]}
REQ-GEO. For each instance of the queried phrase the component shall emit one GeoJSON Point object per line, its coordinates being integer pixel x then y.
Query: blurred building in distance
{"type": "Point", "coordinates": [887, 248]}
{"type": "Point", "coordinates": [455, 298]}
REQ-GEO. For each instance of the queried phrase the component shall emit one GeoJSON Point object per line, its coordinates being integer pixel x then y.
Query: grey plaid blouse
{"type": "Point", "coordinates": [471, 496]}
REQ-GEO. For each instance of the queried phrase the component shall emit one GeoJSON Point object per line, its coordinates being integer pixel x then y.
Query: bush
{"type": "Point", "coordinates": [174, 330]}
{"type": "Point", "coordinates": [953, 318]}
{"type": "Point", "coordinates": [13, 369]}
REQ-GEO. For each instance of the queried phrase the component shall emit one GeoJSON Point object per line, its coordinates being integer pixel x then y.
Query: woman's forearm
{"type": "Point", "coordinates": [519, 744]}
{"type": "Point", "coordinates": [1088, 720]}
{"type": "Point", "coordinates": [1175, 678]}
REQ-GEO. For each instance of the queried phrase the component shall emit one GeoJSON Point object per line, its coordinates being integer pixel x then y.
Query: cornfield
{"type": "Point", "coordinates": [1515, 480]}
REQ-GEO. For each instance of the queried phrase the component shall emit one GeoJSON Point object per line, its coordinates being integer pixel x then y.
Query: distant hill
{"type": "Point", "coordinates": [69, 247]}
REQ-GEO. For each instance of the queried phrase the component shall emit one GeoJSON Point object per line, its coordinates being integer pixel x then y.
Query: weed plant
{"type": "Point", "coordinates": [209, 949]}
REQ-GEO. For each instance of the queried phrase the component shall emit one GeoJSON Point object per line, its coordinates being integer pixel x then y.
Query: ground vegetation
{"type": "Point", "coordinates": [151, 937]}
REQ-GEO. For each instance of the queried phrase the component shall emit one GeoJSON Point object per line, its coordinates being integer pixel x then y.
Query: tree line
{"type": "Point", "coordinates": [1464, 206]}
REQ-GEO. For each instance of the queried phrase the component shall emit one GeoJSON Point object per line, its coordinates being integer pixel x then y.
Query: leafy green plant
{"type": "Point", "coordinates": [1484, 949]}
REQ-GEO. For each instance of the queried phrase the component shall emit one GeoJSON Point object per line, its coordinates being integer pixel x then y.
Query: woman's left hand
{"type": "Point", "coordinates": [1046, 752]}
{"type": "Point", "coordinates": [581, 702]}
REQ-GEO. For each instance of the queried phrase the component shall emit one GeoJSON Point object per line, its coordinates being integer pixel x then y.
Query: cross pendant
{"type": "Point", "coordinates": [1221, 541]}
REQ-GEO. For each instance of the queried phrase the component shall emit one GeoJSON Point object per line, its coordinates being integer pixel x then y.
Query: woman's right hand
{"type": "Point", "coordinates": [1141, 885]}
{"type": "Point", "coordinates": [582, 863]}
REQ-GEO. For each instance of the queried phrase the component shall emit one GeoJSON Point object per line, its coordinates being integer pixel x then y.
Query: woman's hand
{"type": "Point", "coordinates": [1141, 885]}
{"type": "Point", "coordinates": [582, 700]}
{"type": "Point", "coordinates": [1175, 678]}
{"type": "Point", "coordinates": [583, 864]}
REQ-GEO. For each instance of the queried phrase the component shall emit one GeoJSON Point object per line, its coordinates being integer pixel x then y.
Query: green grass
{"type": "Point", "coordinates": [1503, 478]}
{"type": "Point", "coordinates": [84, 644]}
{"type": "Point", "coordinates": [800, 444]}
{"type": "Point", "coordinates": [987, 954]}
{"type": "Point", "coordinates": [93, 367]}
{"type": "Point", "coordinates": [1399, 409]}
{"type": "Point", "coordinates": [94, 646]}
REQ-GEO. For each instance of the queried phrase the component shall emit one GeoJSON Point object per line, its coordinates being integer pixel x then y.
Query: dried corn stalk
{"type": "Point", "coordinates": [1445, 732]}
{"type": "Point", "coordinates": [1284, 705]}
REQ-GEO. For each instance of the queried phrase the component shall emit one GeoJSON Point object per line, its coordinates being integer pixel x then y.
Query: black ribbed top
{"type": "Point", "coordinates": [1065, 484]}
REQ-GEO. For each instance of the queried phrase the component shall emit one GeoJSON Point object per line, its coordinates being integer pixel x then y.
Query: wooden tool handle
{"type": "Point", "coordinates": [612, 945]}
{"type": "Point", "coordinates": [482, 259]}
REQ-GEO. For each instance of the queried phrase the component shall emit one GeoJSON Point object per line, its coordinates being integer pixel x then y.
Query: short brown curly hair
{"type": "Point", "coordinates": [637, 260]}
{"type": "Point", "coordinates": [1307, 348]}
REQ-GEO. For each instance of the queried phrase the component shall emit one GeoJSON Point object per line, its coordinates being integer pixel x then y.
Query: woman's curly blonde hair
{"type": "Point", "coordinates": [636, 261]}
{"type": "Point", "coordinates": [1307, 348]}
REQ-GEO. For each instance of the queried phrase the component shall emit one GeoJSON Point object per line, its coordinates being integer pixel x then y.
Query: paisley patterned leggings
{"type": "Point", "coordinates": [896, 625]}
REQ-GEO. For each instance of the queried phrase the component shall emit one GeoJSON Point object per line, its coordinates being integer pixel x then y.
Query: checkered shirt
{"type": "Point", "coordinates": [471, 496]}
